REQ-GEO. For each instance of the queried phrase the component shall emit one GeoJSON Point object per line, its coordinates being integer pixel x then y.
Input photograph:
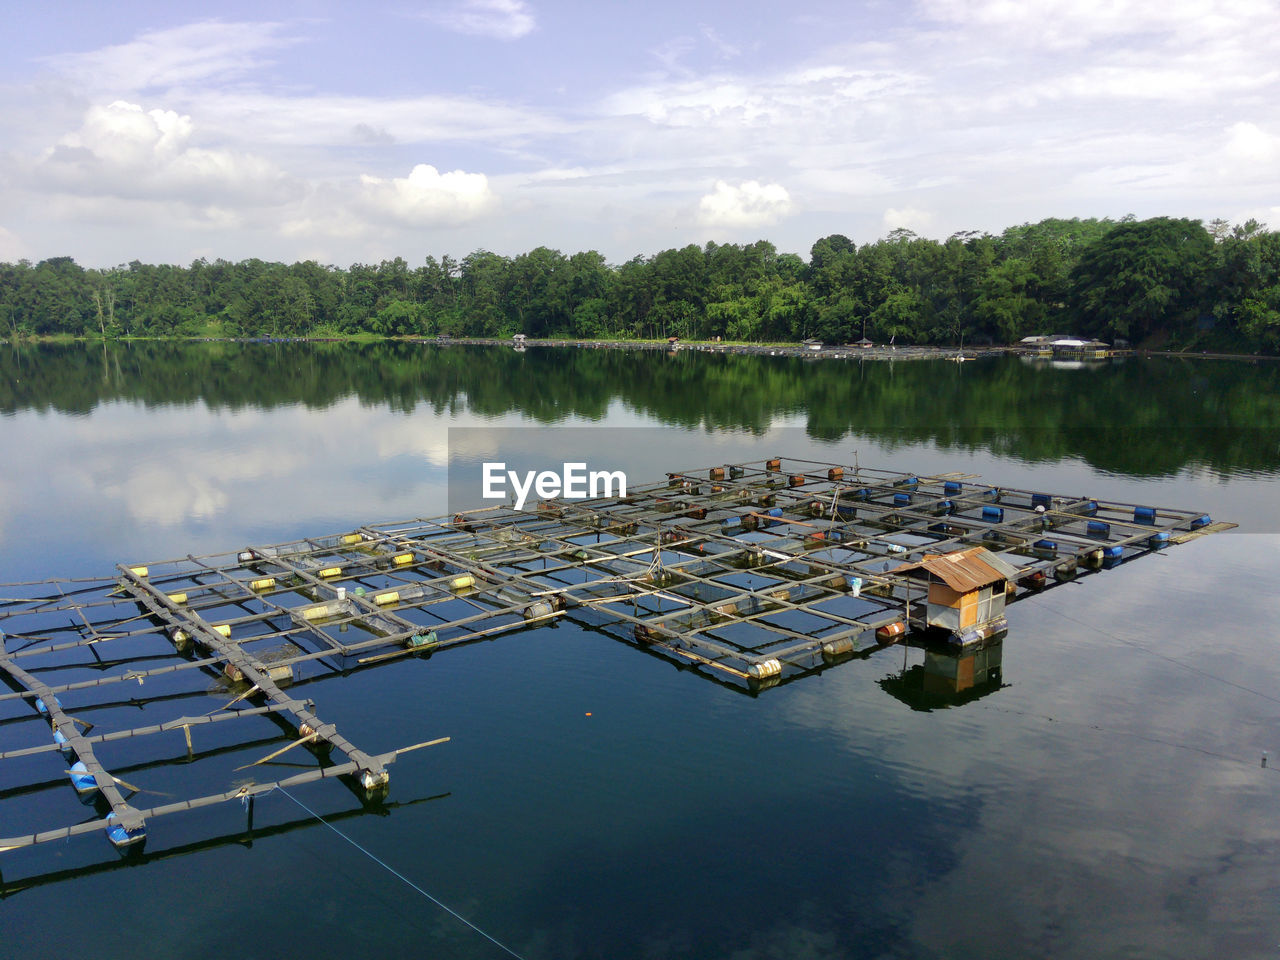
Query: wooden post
{"type": "Point", "coordinates": [907, 620]}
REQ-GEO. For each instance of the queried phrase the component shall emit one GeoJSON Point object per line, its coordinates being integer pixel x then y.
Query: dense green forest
{"type": "Point", "coordinates": [1162, 282]}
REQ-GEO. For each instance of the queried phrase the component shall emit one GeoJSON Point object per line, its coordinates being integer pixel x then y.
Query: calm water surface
{"type": "Point", "coordinates": [1107, 800]}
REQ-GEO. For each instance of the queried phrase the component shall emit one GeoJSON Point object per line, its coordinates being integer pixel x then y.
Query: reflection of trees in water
{"type": "Point", "coordinates": [1143, 417]}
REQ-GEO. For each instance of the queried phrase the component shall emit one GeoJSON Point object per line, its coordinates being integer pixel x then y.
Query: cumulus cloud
{"type": "Point", "coordinates": [501, 19]}
{"type": "Point", "coordinates": [428, 197]}
{"type": "Point", "coordinates": [122, 150]}
{"type": "Point", "coordinates": [749, 204]}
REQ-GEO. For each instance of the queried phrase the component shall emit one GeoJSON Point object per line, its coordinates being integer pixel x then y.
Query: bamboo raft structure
{"type": "Point", "coordinates": [752, 574]}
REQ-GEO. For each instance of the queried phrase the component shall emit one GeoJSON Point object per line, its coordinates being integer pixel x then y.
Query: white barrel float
{"type": "Point", "coordinates": [762, 669]}
{"type": "Point", "coordinates": [539, 610]}
{"type": "Point", "coordinates": [838, 648]}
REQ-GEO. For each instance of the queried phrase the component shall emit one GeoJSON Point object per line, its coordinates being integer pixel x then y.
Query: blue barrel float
{"type": "Point", "coordinates": [120, 837]}
{"type": "Point", "coordinates": [82, 779]}
{"type": "Point", "coordinates": [952, 488]}
{"type": "Point", "coordinates": [1096, 528]}
{"type": "Point", "coordinates": [1145, 515]}
{"type": "Point", "coordinates": [993, 514]}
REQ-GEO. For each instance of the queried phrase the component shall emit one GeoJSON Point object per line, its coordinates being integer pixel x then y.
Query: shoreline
{"type": "Point", "coordinates": [826, 352]}
{"type": "Point", "coordinates": [833, 352]}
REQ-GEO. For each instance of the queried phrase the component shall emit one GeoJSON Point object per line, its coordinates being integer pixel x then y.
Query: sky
{"type": "Point", "coordinates": [342, 133]}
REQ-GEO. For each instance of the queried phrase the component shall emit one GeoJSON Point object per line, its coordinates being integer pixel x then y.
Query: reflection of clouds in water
{"type": "Point", "coordinates": [791, 941]}
{"type": "Point", "coordinates": [1120, 796]}
{"type": "Point", "coordinates": [125, 477]}
{"type": "Point", "coordinates": [169, 497]}
{"type": "Point", "coordinates": [8, 497]}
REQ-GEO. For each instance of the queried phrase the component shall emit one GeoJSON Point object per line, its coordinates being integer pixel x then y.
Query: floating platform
{"type": "Point", "coordinates": [752, 574]}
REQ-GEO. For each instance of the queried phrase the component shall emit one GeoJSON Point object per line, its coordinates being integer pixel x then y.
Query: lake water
{"type": "Point", "coordinates": [1106, 798]}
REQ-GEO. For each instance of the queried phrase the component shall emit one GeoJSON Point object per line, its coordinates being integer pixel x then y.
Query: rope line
{"type": "Point", "coordinates": [1162, 656]}
{"type": "Point", "coordinates": [400, 876]}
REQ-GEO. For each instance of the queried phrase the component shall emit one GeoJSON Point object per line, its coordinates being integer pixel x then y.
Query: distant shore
{"type": "Point", "coordinates": [825, 352]}
{"type": "Point", "coordinates": [830, 351]}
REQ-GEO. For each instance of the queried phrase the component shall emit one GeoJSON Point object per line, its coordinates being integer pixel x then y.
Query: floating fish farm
{"type": "Point", "coordinates": [752, 574]}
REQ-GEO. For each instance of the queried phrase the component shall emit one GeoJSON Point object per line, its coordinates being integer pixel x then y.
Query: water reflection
{"type": "Point", "coordinates": [245, 837]}
{"type": "Point", "coordinates": [949, 676]}
{"type": "Point", "coordinates": [1109, 800]}
{"type": "Point", "coordinates": [1138, 417]}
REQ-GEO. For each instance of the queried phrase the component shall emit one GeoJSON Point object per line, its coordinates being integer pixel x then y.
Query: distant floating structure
{"type": "Point", "coordinates": [752, 574]}
{"type": "Point", "coordinates": [1064, 347]}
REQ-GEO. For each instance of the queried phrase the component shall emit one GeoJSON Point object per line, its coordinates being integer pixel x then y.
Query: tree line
{"type": "Point", "coordinates": [1161, 282]}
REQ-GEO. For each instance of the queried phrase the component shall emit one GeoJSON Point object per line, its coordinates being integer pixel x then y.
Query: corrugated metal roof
{"type": "Point", "coordinates": [964, 570]}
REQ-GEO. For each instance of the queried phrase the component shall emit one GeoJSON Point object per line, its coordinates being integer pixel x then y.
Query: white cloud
{"type": "Point", "coordinates": [983, 112]}
{"type": "Point", "coordinates": [750, 204]}
{"type": "Point", "coordinates": [428, 197]}
{"type": "Point", "coordinates": [909, 218]}
{"type": "Point", "coordinates": [11, 248]}
{"type": "Point", "coordinates": [1078, 23]}
{"type": "Point", "coordinates": [826, 97]}
{"type": "Point", "coordinates": [1249, 143]}
{"type": "Point", "coordinates": [324, 120]}
{"type": "Point", "coordinates": [725, 49]}
{"type": "Point", "coordinates": [124, 151]}
{"type": "Point", "coordinates": [501, 19]}
{"type": "Point", "coordinates": [188, 54]}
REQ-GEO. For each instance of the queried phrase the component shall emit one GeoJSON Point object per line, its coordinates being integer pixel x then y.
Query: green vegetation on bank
{"type": "Point", "coordinates": [1163, 282]}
